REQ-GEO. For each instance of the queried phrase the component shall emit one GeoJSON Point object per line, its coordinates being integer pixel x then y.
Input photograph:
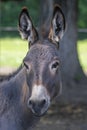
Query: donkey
{"type": "Point", "coordinates": [27, 95]}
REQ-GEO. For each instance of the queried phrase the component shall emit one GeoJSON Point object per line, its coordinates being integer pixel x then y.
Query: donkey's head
{"type": "Point", "coordinates": [42, 61]}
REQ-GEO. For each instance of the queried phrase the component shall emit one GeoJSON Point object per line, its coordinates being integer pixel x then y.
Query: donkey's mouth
{"type": "Point", "coordinates": [39, 114]}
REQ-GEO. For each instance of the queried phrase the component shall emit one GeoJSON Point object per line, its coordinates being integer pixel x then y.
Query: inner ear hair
{"type": "Point", "coordinates": [26, 27]}
{"type": "Point", "coordinates": [57, 25]}
{"type": "Point", "coordinates": [57, 8]}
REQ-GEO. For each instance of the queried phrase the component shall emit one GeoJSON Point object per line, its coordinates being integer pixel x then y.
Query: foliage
{"type": "Point", "coordinates": [12, 9]}
{"type": "Point", "coordinates": [82, 14]}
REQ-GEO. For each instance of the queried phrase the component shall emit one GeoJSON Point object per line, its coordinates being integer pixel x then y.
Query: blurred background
{"type": "Point", "coordinates": [10, 39]}
{"type": "Point", "coordinates": [70, 112]}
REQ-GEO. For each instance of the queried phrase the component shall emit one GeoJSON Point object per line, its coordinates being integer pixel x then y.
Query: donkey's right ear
{"type": "Point", "coordinates": [26, 27]}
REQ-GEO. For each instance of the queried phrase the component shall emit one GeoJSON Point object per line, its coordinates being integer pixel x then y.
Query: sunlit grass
{"type": "Point", "coordinates": [13, 50]}
{"type": "Point", "coordinates": [82, 51]}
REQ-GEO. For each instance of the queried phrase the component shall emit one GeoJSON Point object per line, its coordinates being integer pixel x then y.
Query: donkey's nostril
{"type": "Point", "coordinates": [42, 103]}
{"type": "Point", "coordinates": [30, 103]}
{"type": "Point", "coordinates": [38, 103]}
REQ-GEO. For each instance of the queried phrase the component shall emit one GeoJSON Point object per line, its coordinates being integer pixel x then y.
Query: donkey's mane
{"type": "Point", "coordinates": [9, 76]}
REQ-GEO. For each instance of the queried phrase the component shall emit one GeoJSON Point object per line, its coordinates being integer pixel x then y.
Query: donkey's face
{"type": "Point", "coordinates": [42, 65]}
{"type": "Point", "coordinates": [42, 61]}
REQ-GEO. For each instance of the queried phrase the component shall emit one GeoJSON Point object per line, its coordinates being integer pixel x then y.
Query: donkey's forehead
{"type": "Point", "coordinates": [42, 51]}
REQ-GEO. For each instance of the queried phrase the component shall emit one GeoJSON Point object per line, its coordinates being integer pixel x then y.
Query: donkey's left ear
{"type": "Point", "coordinates": [57, 25]}
{"type": "Point", "coordinates": [26, 27]}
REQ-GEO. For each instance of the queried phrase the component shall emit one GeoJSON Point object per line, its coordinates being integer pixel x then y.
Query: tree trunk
{"type": "Point", "coordinates": [71, 70]}
{"type": "Point", "coordinates": [45, 16]}
{"type": "Point", "coordinates": [68, 46]}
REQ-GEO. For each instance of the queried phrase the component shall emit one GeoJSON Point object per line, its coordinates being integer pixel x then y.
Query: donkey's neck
{"type": "Point", "coordinates": [16, 87]}
{"type": "Point", "coordinates": [12, 91]}
{"type": "Point", "coordinates": [14, 95]}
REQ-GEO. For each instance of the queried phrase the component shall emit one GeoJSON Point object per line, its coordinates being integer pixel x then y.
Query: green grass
{"type": "Point", "coordinates": [13, 50]}
{"type": "Point", "coordinates": [82, 52]}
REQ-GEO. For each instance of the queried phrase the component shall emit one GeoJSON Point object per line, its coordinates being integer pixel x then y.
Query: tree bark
{"type": "Point", "coordinates": [68, 46]}
{"type": "Point", "coordinates": [45, 16]}
{"type": "Point", "coordinates": [71, 70]}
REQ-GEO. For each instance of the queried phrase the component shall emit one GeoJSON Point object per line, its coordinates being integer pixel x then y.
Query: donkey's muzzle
{"type": "Point", "coordinates": [39, 101]}
{"type": "Point", "coordinates": [37, 107]}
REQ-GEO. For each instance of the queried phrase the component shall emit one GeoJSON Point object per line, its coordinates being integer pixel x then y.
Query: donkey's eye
{"type": "Point", "coordinates": [54, 66]}
{"type": "Point", "coordinates": [27, 67]}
